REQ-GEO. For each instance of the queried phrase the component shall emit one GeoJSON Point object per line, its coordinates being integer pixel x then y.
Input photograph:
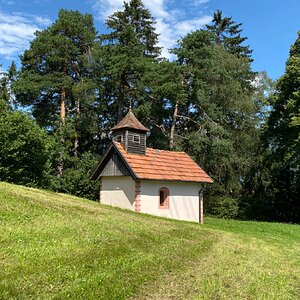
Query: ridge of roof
{"type": "Point", "coordinates": [130, 121]}
{"type": "Point", "coordinates": [162, 150]}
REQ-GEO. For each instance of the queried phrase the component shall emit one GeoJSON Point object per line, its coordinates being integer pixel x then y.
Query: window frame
{"type": "Point", "coordinates": [132, 137]}
{"type": "Point", "coordinates": [138, 138]}
{"type": "Point", "coordinates": [166, 193]}
{"type": "Point", "coordinates": [119, 138]}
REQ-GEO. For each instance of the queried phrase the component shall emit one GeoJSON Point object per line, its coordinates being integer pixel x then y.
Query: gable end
{"type": "Point", "coordinates": [113, 164]}
{"type": "Point", "coordinates": [115, 167]}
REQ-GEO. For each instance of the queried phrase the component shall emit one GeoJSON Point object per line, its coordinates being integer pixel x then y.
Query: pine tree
{"type": "Point", "coordinates": [55, 78]}
{"type": "Point", "coordinates": [125, 57]}
{"type": "Point", "coordinates": [220, 128]}
{"type": "Point", "coordinates": [227, 33]}
{"type": "Point", "coordinates": [281, 151]}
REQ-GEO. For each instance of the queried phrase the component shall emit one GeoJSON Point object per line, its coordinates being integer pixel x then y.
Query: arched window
{"type": "Point", "coordinates": [164, 198]}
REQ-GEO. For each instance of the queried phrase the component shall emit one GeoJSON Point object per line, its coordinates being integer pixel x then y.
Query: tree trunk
{"type": "Point", "coordinates": [172, 132]}
{"type": "Point", "coordinates": [62, 106]}
{"type": "Point", "coordinates": [60, 166]}
{"type": "Point", "coordinates": [121, 97]}
{"type": "Point", "coordinates": [76, 141]}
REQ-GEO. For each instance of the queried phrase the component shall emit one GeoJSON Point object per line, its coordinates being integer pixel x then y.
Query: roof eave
{"type": "Point", "coordinates": [129, 127]}
{"type": "Point", "coordinates": [176, 180]}
{"type": "Point", "coordinates": [95, 175]}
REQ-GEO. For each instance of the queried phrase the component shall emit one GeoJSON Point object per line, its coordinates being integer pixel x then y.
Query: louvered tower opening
{"type": "Point", "coordinates": [131, 133]}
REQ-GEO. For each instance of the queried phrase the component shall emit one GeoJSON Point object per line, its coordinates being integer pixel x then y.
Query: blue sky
{"type": "Point", "coordinates": [271, 26]}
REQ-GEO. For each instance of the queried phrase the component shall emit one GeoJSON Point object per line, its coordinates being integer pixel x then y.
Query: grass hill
{"type": "Point", "coordinates": [59, 246]}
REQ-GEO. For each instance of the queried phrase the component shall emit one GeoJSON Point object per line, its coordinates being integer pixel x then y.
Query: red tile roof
{"type": "Point", "coordinates": [130, 121]}
{"type": "Point", "coordinates": [164, 165]}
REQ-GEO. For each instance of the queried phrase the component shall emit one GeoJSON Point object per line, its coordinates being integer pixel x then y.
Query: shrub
{"type": "Point", "coordinates": [23, 149]}
{"type": "Point", "coordinates": [76, 178]}
{"type": "Point", "coordinates": [224, 207]}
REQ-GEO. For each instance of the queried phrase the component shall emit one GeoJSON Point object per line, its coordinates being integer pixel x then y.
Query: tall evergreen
{"type": "Point", "coordinates": [278, 179]}
{"type": "Point", "coordinates": [125, 57]}
{"type": "Point", "coordinates": [168, 102]}
{"type": "Point", "coordinates": [55, 78]}
{"type": "Point", "coordinates": [220, 124]}
{"type": "Point", "coordinates": [228, 33]}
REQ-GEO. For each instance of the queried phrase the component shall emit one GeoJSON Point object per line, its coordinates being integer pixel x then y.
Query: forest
{"type": "Point", "coordinates": [74, 84]}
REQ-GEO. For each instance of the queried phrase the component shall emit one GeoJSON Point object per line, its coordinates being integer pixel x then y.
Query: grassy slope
{"type": "Point", "coordinates": [59, 246]}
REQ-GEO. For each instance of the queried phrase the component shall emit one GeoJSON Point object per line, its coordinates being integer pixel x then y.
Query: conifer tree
{"type": "Point", "coordinates": [125, 56]}
{"type": "Point", "coordinates": [220, 128]}
{"type": "Point", "coordinates": [170, 100]}
{"type": "Point", "coordinates": [278, 186]}
{"type": "Point", "coordinates": [227, 33]}
{"type": "Point", "coordinates": [55, 76]}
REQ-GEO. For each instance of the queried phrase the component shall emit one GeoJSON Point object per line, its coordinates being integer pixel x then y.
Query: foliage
{"type": "Point", "coordinates": [220, 127]}
{"type": "Point", "coordinates": [264, 87]}
{"type": "Point", "coordinates": [6, 81]}
{"type": "Point", "coordinates": [126, 57]}
{"type": "Point", "coordinates": [227, 33]}
{"type": "Point", "coordinates": [167, 104]}
{"type": "Point", "coordinates": [224, 207]}
{"type": "Point", "coordinates": [60, 246]}
{"type": "Point", "coordinates": [23, 149]}
{"type": "Point", "coordinates": [55, 78]}
{"type": "Point", "coordinates": [277, 178]}
{"type": "Point", "coordinates": [76, 178]}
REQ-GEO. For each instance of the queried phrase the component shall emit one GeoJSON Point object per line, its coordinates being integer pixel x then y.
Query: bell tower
{"type": "Point", "coordinates": [131, 133]}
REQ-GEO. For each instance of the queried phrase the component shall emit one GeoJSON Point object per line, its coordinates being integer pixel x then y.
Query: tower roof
{"type": "Point", "coordinates": [130, 121]}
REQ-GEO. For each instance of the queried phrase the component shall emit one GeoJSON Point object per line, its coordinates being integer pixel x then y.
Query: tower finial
{"type": "Point", "coordinates": [130, 105]}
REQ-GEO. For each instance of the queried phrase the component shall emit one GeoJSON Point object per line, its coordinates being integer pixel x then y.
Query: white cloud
{"type": "Point", "coordinates": [42, 20]}
{"type": "Point", "coordinates": [187, 26]}
{"type": "Point", "coordinates": [105, 8]}
{"type": "Point", "coordinates": [171, 23]}
{"type": "Point", "coordinates": [166, 36]}
{"type": "Point", "coordinates": [199, 2]}
{"type": "Point", "coordinates": [16, 30]}
{"type": "Point", "coordinates": [157, 8]}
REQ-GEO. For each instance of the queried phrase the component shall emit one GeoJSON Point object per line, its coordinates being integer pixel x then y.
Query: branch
{"type": "Point", "coordinates": [161, 127]}
{"type": "Point", "coordinates": [190, 119]}
{"type": "Point", "coordinates": [206, 115]}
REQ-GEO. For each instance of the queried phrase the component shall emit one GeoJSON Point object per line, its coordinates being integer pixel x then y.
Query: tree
{"type": "Point", "coordinates": [76, 180]}
{"type": "Point", "coordinates": [227, 33]}
{"type": "Point", "coordinates": [6, 81]}
{"type": "Point", "coordinates": [278, 180]}
{"type": "Point", "coordinates": [169, 104]}
{"type": "Point", "coordinates": [284, 121]}
{"type": "Point", "coordinates": [220, 123]}
{"type": "Point", "coordinates": [23, 149]}
{"type": "Point", "coordinates": [264, 87]}
{"type": "Point", "coordinates": [126, 55]}
{"type": "Point", "coordinates": [55, 78]}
